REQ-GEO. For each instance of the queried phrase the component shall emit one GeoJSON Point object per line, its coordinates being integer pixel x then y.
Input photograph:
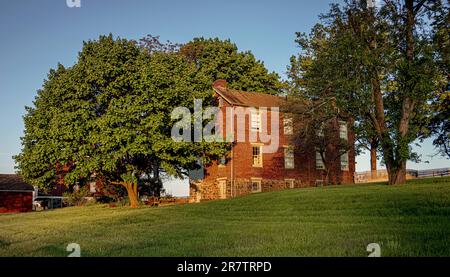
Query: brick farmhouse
{"type": "Point", "coordinates": [248, 170]}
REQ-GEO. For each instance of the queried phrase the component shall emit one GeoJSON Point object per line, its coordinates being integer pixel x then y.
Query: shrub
{"type": "Point", "coordinates": [105, 199]}
{"type": "Point", "coordinates": [76, 198]}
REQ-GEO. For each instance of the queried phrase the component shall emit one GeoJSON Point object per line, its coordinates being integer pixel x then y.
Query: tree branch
{"type": "Point", "coordinates": [419, 6]}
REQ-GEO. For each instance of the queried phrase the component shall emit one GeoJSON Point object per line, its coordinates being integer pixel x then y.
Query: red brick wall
{"type": "Point", "coordinates": [273, 172]}
{"type": "Point", "coordinates": [15, 202]}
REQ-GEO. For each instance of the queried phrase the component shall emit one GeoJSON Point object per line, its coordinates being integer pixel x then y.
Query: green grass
{"type": "Point", "coordinates": [408, 220]}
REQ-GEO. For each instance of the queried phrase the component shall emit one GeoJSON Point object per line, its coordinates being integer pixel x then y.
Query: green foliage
{"type": "Point", "coordinates": [77, 197]}
{"type": "Point", "coordinates": [216, 59]}
{"type": "Point", "coordinates": [380, 65]}
{"type": "Point", "coordinates": [109, 114]}
{"type": "Point", "coordinates": [439, 122]}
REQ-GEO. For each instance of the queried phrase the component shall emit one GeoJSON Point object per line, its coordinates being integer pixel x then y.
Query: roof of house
{"type": "Point", "coordinates": [246, 99]}
{"type": "Point", "coordinates": [13, 182]}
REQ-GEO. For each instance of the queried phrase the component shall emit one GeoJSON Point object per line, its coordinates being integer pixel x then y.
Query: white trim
{"type": "Point", "coordinates": [257, 114]}
{"type": "Point", "coordinates": [288, 125]}
{"type": "Point", "coordinates": [261, 165]}
{"type": "Point", "coordinates": [222, 186]}
{"type": "Point", "coordinates": [287, 148]}
{"type": "Point", "coordinates": [292, 182]}
{"type": "Point", "coordinates": [320, 166]}
{"type": "Point", "coordinates": [347, 166]}
{"type": "Point", "coordinates": [343, 129]}
{"type": "Point", "coordinates": [257, 144]}
{"type": "Point", "coordinates": [259, 182]}
{"type": "Point", "coordinates": [221, 95]}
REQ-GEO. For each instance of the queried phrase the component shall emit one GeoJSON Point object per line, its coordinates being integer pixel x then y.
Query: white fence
{"type": "Point", "coordinates": [381, 175]}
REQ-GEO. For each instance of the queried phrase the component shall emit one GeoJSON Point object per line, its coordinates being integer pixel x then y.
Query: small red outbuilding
{"type": "Point", "coordinates": [15, 195]}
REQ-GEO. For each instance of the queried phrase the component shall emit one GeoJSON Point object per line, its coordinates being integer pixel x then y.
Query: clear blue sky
{"type": "Point", "coordinates": [36, 35]}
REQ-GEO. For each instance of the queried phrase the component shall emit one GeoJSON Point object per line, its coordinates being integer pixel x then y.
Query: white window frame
{"type": "Point", "coordinates": [345, 162]}
{"type": "Point", "coordinates": [260, 163]}
{"type": "Point", "coordinates": [289, 161]}
{"type": "Point", "coordinates": [222, 184]}
{"type": "Point", "coordinates": [290, 183]}
{"type": "Point", "coordinates": [255, 121]}
{"type": "Point", "coordinates": [288, 123]}
{"type": "Point", "coordinates": [343, 130]}
{"type": "Point", "coordinates": [320, 165]}
{"type": "Point", "coordinates": [258, 182]}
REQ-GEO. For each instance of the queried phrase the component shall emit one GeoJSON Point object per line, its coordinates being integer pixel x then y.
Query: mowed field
{"type": "Point", "coordinates": [407, 220]}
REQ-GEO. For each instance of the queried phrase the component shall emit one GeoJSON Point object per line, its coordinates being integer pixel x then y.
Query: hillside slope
{"type": "Point", "coordinates": [409, 220]}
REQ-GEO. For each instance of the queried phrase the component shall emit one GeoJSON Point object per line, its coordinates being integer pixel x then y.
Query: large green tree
{"type": "Point", "coordinates": [379, 63]}
{"type": "Point", "coordinates": [438, 126]}
{"type": "Point", "coordinates": [110, 115]}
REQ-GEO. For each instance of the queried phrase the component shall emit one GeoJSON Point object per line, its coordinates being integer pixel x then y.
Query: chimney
{"type": "Point", "coordinates": [220, 84]}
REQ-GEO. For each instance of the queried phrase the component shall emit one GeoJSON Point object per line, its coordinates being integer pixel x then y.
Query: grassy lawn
{"type": "Point", "coordinates": [409, 220]}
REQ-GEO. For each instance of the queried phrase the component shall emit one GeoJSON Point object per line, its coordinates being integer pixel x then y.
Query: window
{"type": "Point", "coordinates": [255, 121]}
{"type": "Point", "coordinates": [288, 157]}
{"type": "Point", "coordinates": [222, 188]}
{"type": "Point", "coordinates": [257, 156]}
{"type": "Point", "coordinates": [319, 161]}
{"type": "Point", "coordinates": [343, 132]}
{"type": "Point", "coordinates": [290, 183]}
{"type": "Point", "coordinates": [256, 185]}
{"type": "Point", "coordinates": [288, 125]}
{"type": "Point", "coordinates": [344, 162]}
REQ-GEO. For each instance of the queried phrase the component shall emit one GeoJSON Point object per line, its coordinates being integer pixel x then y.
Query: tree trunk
{"type": "Point", "coordinates": [373, 159]}
{"type": "Point", "coordinates": [396, 164]}
{"type": "Point", "coordinates": [157, 179]}
{"type": "Point", "coordinates": [327, 177]}
{"type": "Point", "coordinates": [132, 194]}
{"type": "Point", "coordinates": [131, 191]}
{"type": "Point", "coordinates": [397, 175]}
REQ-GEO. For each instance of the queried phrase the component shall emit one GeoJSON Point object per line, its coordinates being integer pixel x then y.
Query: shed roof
{"type": "Point", "coordinates": [13, 182]}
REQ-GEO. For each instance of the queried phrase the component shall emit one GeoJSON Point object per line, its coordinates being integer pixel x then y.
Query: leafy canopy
{"type": "Point", "coordinates": [109, 114]}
